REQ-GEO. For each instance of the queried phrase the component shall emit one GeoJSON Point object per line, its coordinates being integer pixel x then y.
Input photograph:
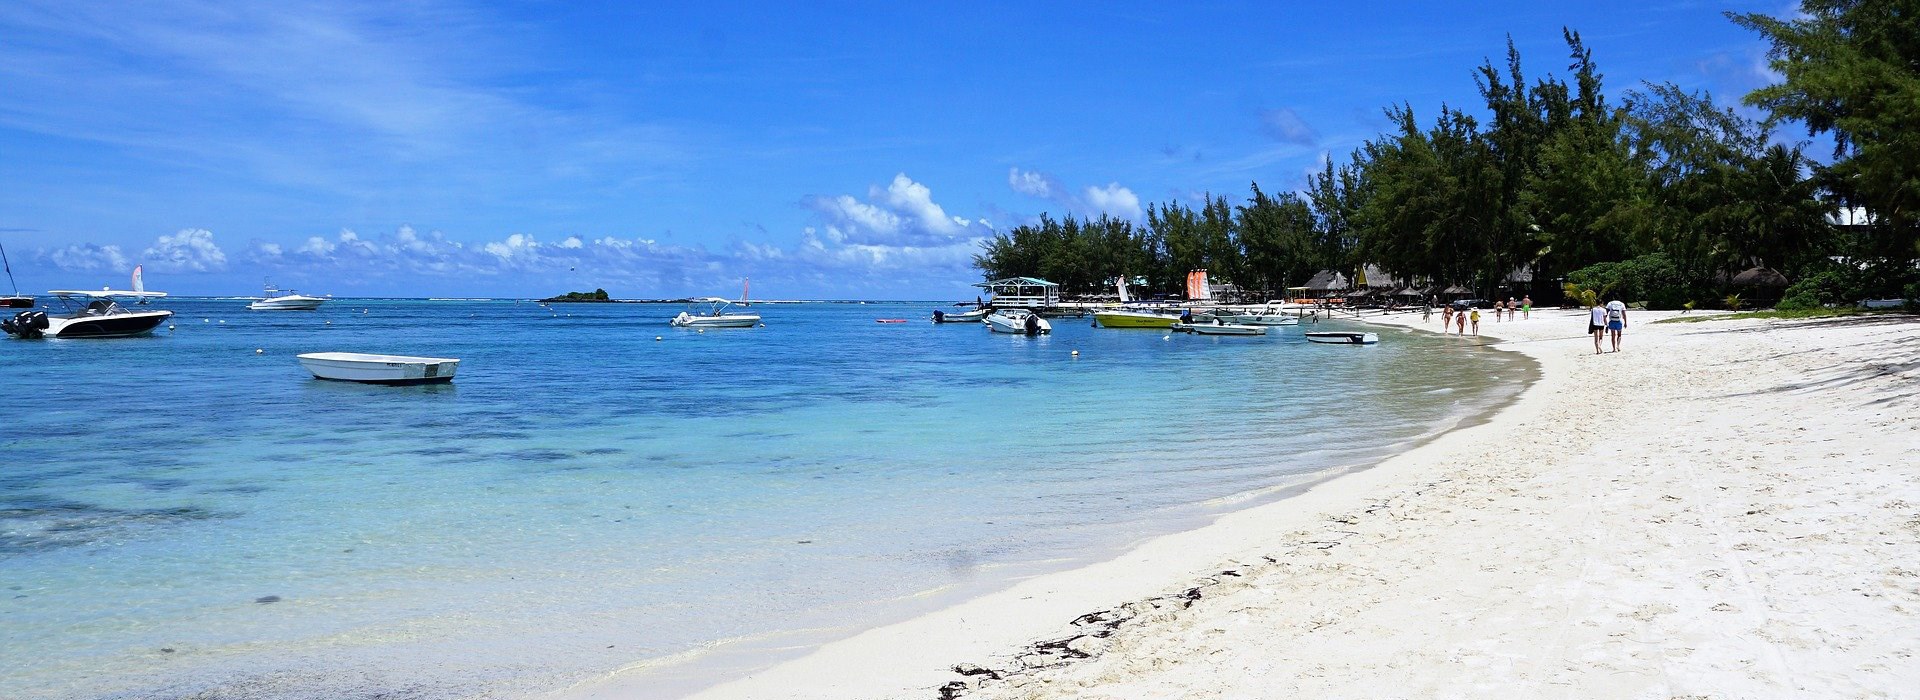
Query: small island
{"type": "Point", "coordinates": [595, 295]}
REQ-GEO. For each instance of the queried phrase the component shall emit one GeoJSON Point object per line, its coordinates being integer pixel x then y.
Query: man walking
{"type": "Point", "coordinates": [1616, 321]}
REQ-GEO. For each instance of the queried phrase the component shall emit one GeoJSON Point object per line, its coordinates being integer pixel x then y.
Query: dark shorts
{"type": "Point", "coordinates": [1592, 329]}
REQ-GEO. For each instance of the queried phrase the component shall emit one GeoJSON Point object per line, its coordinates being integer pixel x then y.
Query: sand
{"type": "Point", "coordinates": [1728, 509]}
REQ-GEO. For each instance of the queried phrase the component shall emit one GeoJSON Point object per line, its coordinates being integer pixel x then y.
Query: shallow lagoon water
{"type": "Point", "coordinates": [179, 514]}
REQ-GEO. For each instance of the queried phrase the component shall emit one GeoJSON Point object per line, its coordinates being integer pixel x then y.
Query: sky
{"type": "Point", "coordinates": [424, 148]}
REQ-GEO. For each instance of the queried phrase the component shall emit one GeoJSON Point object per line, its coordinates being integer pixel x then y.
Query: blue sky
{"type": "Point", "coordinates": [434, 148]}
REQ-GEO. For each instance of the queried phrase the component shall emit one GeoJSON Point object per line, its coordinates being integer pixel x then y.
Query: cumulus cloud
{"type": "Point", "coordinates": [901, 214]}
{"type": "Point", "coordinates": [189, 250]}
{"type": "Point", "coordinates": [86, 257]}
{"type": "Point", "coordinates": [1112, 200]}
{"type": "Point", "coordinates": [1286, 126]}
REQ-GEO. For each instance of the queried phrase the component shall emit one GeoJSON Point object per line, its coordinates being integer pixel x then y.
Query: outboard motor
{"type": "Point", "coordinates": [939, 316]}
{"type": "Point", "coordinates": [26, 324]}
{"type": "Point", "coordinates": [1033, 324]}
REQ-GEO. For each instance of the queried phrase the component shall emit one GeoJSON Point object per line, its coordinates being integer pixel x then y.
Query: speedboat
{"type": "Point", "coordinates": [1018, 322]}
{"type": "Point", "coordinates": [1272, 314]}
{"type": "Point", "coordinates": [379, 369]}
{"type": "Point", "coordinates": [89, 314]}
{"type": "Point", "coordinates": [964, 317]}
{"type": "Point", "coordinates": [1219, 329]}
{"type": "Point", "coordinates": [275, 299]}
{"type": "Point", "coordinates": [1131, 318]}
{"type": "Point", "coordinates": [711, 312]}
{"type": "Point", "coordinates": [1342, 337]}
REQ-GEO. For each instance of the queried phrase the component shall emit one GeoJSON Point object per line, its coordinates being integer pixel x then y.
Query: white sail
{"type": "Point", "coordinates": [139, 283]}
{"type": "Point", "coordinates": [1122, 285]}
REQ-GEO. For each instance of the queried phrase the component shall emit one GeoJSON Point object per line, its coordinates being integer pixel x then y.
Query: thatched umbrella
{"type": "Point", "coordinates": [1760, 277]}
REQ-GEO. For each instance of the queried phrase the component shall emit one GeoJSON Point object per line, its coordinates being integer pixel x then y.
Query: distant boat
{"type": "Point", "coordinates": [100, 317]}
{"type": "Point", "coordinates": [379, 369]}
{"type": "Point", "coordinates": [1018, 322]}
{"type": "Point", "coordinates": [1273, 314]}
{"type": "Point", "coordinates": [1342, 337]}
{"type": "Point", "coordinates": [711, 312]}
{"type": "Point", "coordinates": [18, 300]}
{"type": "Point", "coordinates": [974, 316]}
{"type": "Point", "coordinates": [276, 299]}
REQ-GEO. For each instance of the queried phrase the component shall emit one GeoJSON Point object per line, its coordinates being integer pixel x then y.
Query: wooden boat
{"type": "Point", "coordinates": [379, 369]}
{"type": "Point", "coordinates": [1342, 337]}
{"type": "Point", "coordinates": [1219, 329]}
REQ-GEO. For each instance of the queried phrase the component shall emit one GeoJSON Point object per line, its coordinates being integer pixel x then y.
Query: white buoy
{"type": "Point", "coordinates": [223, 320]}
{"type": "Point", "coordinates": [259, 351]}
{"type": "Point", "coordinates": [703, 330]}
{"type": "Point", "coordinates": [206, 320]}
{"type": "Point", "coordinates": [169, 326]}
{"type": "Point", "coordinates": [656, 338]}
{"type": "Point", "coordinates": [1076, 353]}
{"type": "Point", "coordinates": [1166, 337]}
{"type": "Point", "coordinates": [329, 323]}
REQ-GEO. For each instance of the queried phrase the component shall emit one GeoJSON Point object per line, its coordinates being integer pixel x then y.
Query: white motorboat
{"type": "Point", "coordinates": [711, 312]}
{"type": "Point", "coordinates": [974, 316]}
{"type": "Point", "coordinates": [1018, 322]}
{"type": "Point", "coordinates": [89, 314]}
{"type": "Point", "coordinates": [1219, 329]}
{"type": "Point", "coordinates": [1342, 337]}
{"type": "Point", "coordinates": [379, 369]}
{"type": "Point", "coordinates": [276, 299]}
{"type": "Point", "coordinates": [1273, 314]}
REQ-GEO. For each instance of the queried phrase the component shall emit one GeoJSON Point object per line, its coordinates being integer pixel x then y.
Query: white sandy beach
{"type": "Point", "coordinates": [1728, 509]}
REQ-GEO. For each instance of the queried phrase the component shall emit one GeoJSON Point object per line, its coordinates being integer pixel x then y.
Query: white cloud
{"type": "Point", "coordinates": [901, 214]}
{"type": "Point", "coordinates": [1115, 201]}
{"type": "Point", "coordinates": [188, 250]}
{"type": "Point", "coordinates": [1286, 126]}
{"type": "Point", "coordinates": [1034, 184]}
{"type": "Point", "coordinates": [87, 257]}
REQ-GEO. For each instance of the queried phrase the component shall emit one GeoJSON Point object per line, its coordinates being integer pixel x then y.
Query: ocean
{"type": "Point", "coordinates": [181, 515]}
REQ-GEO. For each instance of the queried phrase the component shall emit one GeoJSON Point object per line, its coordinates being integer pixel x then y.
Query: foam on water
{"type": "Point", "coordinates": [179, 514]}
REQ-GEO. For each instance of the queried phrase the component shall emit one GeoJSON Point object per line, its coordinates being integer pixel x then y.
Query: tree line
{"type": "Point", "coordinates": [1659, 189]}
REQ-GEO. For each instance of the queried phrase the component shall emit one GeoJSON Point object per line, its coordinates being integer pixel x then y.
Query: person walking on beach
{"type": "Point", "coordinates": [1476, 321]}
{"type": "Point", "coordinates": [1526, 306]}
{"type": "Point", "coordinates": [1460, 321]}
{"type": "Point", "coordinates": [1426, 314]}
{"type": "Point", "coordinates": [1616, 321]}
{"type": "Point", "coordinates": [1597, 324]}
{"type": "Point", "coordinates": [1446, 318]}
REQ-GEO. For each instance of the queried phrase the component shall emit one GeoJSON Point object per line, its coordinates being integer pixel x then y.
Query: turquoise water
{"type": "Point", "coordinates": [181, 515]}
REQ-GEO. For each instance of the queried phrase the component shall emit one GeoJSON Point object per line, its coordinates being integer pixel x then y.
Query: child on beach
{"type": "Point", "coordinates": [1597, 324]}
{"type": "Point", "coordinates": [1476, 321]}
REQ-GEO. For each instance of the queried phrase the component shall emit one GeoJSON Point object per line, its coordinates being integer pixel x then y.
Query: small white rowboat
{"type": "Point", "coordinates": [379, 369]}
{"type": "Point", "coordinates": [1343, 338]}
{"type": "Point", "coordinates": [1219, 329]}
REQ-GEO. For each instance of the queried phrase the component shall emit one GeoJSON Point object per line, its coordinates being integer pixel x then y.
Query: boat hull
{"type": "Point", "coordinates": [1262, 320]}
{"type": "Point", "coordinates": [1133, 319]}
{"type": "Point", "coordinates": [392, 370]}
{"type": "Point", "coordinates": [112, 326]}
{"type": "Point", "coordinates": [294, 303]}
{"type": "Point", "coordinates": [1341, 338]}
{"type": "Point", "coordinates": [1219, 329]}
{"type": "Point", "coordinates": [1018, 326]}
{"type": "Point", "coordinates": [727, 321]}
{"type": "Point", "coordinates": [16, 302]}
{"type": "Point", "coordinates": [974, 316]}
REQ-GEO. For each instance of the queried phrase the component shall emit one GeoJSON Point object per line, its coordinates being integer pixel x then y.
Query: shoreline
{"type": "Point", "coordinates": [1007, 616]}
{"type": "Point", "coordinates": [1136, 625]}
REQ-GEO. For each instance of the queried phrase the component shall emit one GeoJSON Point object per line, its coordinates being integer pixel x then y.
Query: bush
{"type": "Point", "coordinates": [1833, 285]}
{"type": "Point", "coordinates": [1797, 301]}
{"type": "Point", "coordinates": [1653, 279]}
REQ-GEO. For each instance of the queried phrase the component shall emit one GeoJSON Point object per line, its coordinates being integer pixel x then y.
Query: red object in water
{"type": "Point", "coordinates": [889, 320]}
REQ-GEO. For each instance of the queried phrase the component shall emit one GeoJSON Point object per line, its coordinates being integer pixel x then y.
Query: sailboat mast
{"type": "Point", "coordinates": [9, 266]}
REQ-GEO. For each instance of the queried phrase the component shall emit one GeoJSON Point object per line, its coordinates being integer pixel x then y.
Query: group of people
{"type": "Point", "coordinates": [1511, 310]}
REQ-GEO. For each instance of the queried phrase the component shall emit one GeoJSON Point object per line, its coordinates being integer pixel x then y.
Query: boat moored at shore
{"type": "Point", "coordinates": [1018, 322]}
{"type": "Point", "coordinates": [1342, 337]}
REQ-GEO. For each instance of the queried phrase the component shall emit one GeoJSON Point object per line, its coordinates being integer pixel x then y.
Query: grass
{"type": "Point", "coordinates": [1792, 314]}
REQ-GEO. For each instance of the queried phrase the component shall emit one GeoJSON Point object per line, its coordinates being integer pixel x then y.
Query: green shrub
{"type": "Point", "coordinates": [1799, 301]}
{"type": "Point", "coordinates": [1650, 278]}
{"type": "Point", "coordinates": [1732, 302]}
{"type": "Point", "coordinates": [1833, 285]}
